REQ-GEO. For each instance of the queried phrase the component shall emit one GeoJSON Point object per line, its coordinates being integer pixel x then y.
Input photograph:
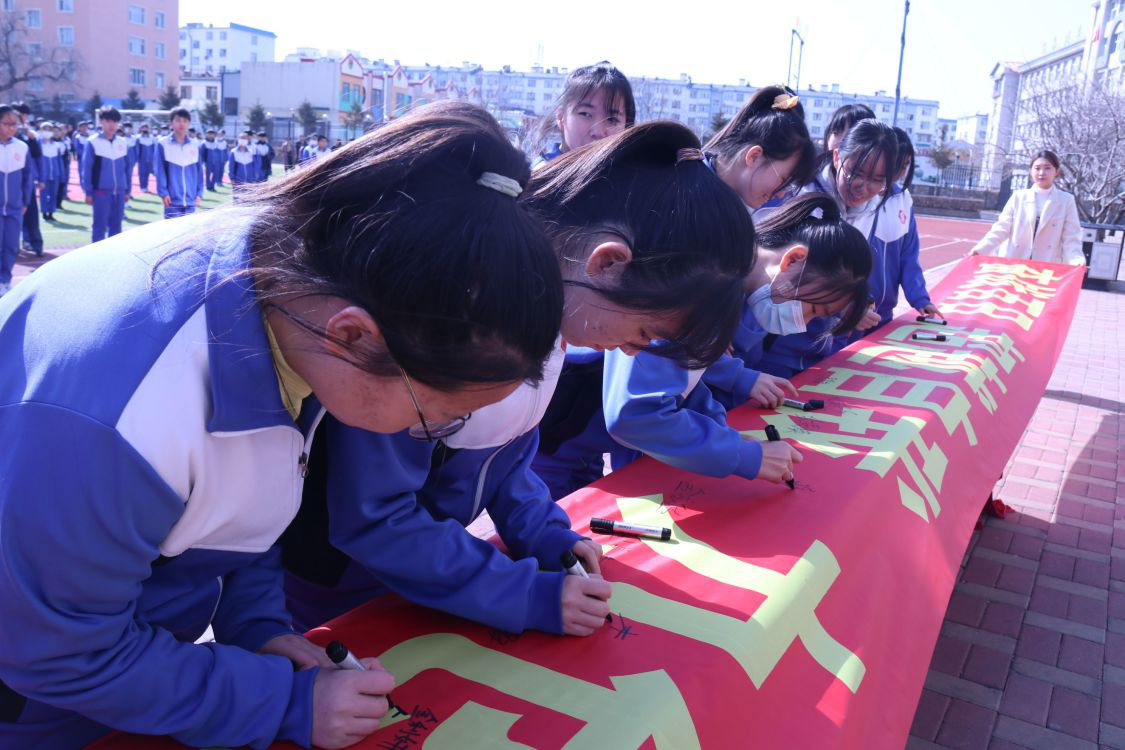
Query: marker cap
{"type": "Point", "coordinates": [601, 525]}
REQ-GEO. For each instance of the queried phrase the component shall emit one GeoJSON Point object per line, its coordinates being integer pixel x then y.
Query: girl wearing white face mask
{"type": "Point", "coordinates": [811, 263]}
{"type": "Point", "coordinates": [241, 164]}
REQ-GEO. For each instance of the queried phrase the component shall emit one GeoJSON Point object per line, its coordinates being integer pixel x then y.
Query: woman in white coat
{"type": "Point", "coordinates": [1039, 222]}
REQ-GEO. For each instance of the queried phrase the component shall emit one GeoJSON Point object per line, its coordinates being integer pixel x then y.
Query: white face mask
{"type": "Point", "coordinates": [243, 142]}
{"type": "Point", "coordinates": [783, 318]}
{"type": "Point", "coordinates": [46, 135]}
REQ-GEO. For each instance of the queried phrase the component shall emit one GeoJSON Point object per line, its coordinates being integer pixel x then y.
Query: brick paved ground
{"type": "Point", "coordinates": [1032, 651]}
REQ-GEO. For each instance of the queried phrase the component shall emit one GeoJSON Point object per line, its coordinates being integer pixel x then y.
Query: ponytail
{"type": "Point", "coordinates": [691, 237]}
{"type": "Point", "coordinates": [839, 258]}
{"type": "Point", "coordinates": [774, 120]}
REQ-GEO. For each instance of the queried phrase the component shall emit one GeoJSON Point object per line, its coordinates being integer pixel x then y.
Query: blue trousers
{"type": "Point", "coordinates": [31, 233]}
{"type": "Point", "coordinates": [173, 211]}
{"type": "Point", "coordinates": [212, 175]}
{"type": "Point", "coordinates": [9, 245]}
{"type": "Point", "coordinates": [109, 210]}
{"type": "Point", "coordinates": [144, 171]}
{"type": "Point", "coordinates": [48, 195]}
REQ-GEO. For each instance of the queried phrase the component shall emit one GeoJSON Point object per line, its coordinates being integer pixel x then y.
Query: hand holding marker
{"type": "Point", "coordinates": [585, 600]}
{"type": "Point", "coordinates": [773, 436]}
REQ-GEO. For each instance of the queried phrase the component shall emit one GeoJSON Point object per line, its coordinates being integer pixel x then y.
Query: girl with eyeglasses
{"type": "Point", "coordinates": [651, 245]}
{"type": "Point", "coordinates": [859, 176]}
{"type": "Point", "coordinates": [160, 399]}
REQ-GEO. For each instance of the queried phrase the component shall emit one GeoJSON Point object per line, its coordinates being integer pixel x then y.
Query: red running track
{"type": "Point", "coordinates": [946, 240]}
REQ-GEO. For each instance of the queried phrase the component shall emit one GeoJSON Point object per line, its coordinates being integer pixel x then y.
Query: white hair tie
{"type": "Point", "coordinates": [500, 184]}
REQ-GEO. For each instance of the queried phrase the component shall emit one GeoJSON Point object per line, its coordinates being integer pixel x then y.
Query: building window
{"type": "Point", "coordinates": [35, 50]}
{"type": "Point", "coordinates": [210, 35]}
{"type": "Point", "coordinates": [66, 6]}
{"type": "Point", "coordinates": [222, 36]}
{"type": "Point", "coordinates": [253, 57]}
{"type": "Point", "coordinates": [35, 84]}
{"type": "Point", "coordinates": [158, 19]}
{"type": "Point", "coordinates": [158, 50]}
{"type": "Point", "coordinates": [183, 35]}
{"type": "Point", "coordinates": [223, 52]}
{"type": "Point", "coordinates": [159, 80]}
{"type": "Point", "coordinates": [183, 54]}
{"type": "Point", "coordinates": [185, 92]}
{"type": "Point", "coordinates": [66, 36]}
{"type": "Point", "coordinates": [136, 14]}
{"type": "Point", "coordinates": [9, 5]}
{"type": "Point", "coordinates": [137, 76]}
{"type": "Point", "coordinates": [207, 54]}
{"type": "Point", "coordinates": [194, 44]}
{"type": "Point", "coordinates": [35, 19]}
{"type": "Point", "coordinates": [253, 41]}
{"type": "Point", "coordinates": [213, 93]}
{"type": "Point", "coordinates": [816, 115]}
{"type": "Point", "coordinates": [136, 45]}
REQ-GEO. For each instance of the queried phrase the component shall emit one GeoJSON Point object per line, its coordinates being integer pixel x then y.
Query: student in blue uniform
{"type": "Point", "coordinates": [16, 192]}
{"type": "Point", "coordinates": [319, 151]}
{"type": "Point", "coordinates": [651, 245]}
{"type": "Point", "coordinates": [179, 168]}
{"type": "Point", "coordinates": [50, 169]}
{"type": "Point", "coordinates": [842, 120]}
{"type": "Point", "coordinates": [596, 101]}
{"type": "Point", "coordinates": [187, 364]}
{"type": "Point", "coordinates": [62, 137]}
{"type": "Point", "coordinates": [78, 142]}
{"type": "Point", "coordinates": [213, 160]}
{"type": "Point", "coordinates": [146, 157]}
{"type": "Point", "coordinates": [105, 175]}
{"type": "Point", "coordinates": [896, 259]}
{"type": "Point", "coordinates": [222, 150]}
{"type": "Point", "coordinates": [32, 236]}
{"type": "Point", "coordinates": [265, 156]}
{"type": "Point", "coordinates": [859, 176]}
{"type": "Point", "coordinates": [242, 164]}
{"type": "Point", "coordinates": [764, 148]}
{"type": "Point", "coordinates": [811, 264]}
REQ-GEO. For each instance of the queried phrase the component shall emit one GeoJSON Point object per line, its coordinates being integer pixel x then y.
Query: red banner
{"type": "Point", "coordinates": [773, 618]}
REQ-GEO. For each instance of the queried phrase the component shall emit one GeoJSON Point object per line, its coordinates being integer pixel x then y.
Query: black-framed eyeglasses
{"type": "Point", "coordinates": [425, 430]}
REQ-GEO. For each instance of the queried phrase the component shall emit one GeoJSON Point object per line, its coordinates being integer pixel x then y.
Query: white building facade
{"type": "Point", "coordinates": [211, 50]}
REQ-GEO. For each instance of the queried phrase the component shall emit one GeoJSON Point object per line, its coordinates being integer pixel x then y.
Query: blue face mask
{"type": "Point", "coordinates": [782, 318]}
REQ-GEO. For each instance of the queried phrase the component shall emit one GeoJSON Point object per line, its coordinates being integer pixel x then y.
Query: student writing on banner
{"type": "Point", "coordinates": [189, 363]}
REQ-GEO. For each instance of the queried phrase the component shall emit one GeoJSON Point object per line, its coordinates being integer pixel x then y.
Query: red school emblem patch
{"type": "Point", "coordinates": [902, 217]}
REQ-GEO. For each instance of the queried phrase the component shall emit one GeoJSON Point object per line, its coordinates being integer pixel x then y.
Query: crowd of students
{"type": "Point", "coordinates": [459, 331]}
{"type": "Point", "coordinates": [182, 161]}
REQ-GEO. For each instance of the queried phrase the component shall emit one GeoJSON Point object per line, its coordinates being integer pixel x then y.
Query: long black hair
{"type": "Point", "coordinates": [905, 157]}
{"type": "Point", "coordinates": [839, 258]}
{"type": "Point", "coordinates": [776, 123]}
{"type": "Point", "coordinates": [690, 235]}
{"type": "Point", "coordinates": [460, 279]}
{"type": "Point", "coordinates": [580, 85]}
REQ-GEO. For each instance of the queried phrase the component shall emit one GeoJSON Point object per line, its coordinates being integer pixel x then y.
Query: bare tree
{"type": "Point", "coordinates": [21, 63]}
{"type": "Point", "coordinates": [649, 96]}
{"type": "Point", "coordinates": [1084, 124]}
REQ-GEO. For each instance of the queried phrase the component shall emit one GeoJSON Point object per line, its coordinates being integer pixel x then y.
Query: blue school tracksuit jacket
{"type": "Point", "coordinates": [179, 174]}
{"type": "Point", "coordinates": [388, 512]}
{"type": "Point", "coordinates": [17, 179]}
{"type": "Point", "coordinates": [895, 249]}
{"type": "Point", "coordinates": [105, 176]}
{"type": "Point", "coordinates": [644, 404]}
{"type": "Point", "coordinates": [50, 172]}
{"type": "Point", "coordinates": [242, 166]}
{"type": "Point", "coordinates": [149, 469]}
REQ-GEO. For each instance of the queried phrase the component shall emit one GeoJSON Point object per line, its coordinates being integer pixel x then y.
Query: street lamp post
{"type": "Point", "coordinates": [800, 57]}
{"type": "Point", "coordinates": [901, 52]}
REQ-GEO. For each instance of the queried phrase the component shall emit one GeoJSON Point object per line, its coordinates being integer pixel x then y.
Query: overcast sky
{"type": "Point", "coordinates": [951, 45]}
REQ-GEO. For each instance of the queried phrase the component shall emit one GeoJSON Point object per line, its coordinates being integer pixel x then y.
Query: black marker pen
{"type": "Point", "coordinates": [811, 405]}
{"type": "Point", "coordinates": [619, 528]}
{"type": "Point", "coordinates": [931, 319]}
{"type": "Point", "coordinates": [573, 567]}
{"type": "Point", "coordinates": [774, 436]}
{"type": "Point", "coordinates": [924, 336]}
{"type": "Point", "coordinates": [343, 658]}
